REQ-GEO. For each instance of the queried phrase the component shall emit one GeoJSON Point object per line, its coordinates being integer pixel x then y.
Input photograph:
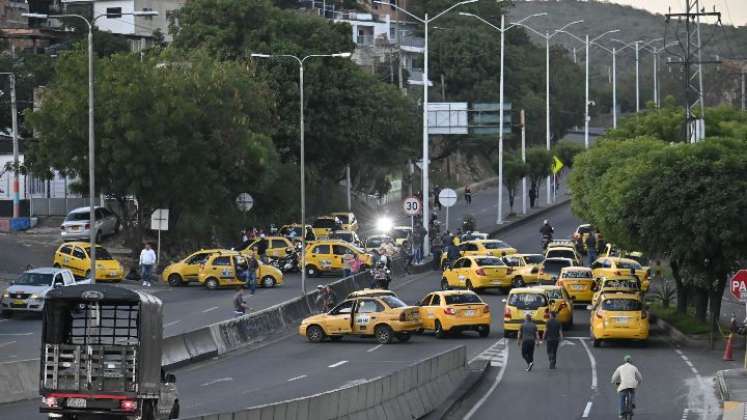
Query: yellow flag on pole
{"type": "Point", "coordinates": [557, 165]}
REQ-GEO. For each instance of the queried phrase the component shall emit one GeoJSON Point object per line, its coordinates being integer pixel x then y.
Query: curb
{"type": "Point", "coordinates": [679, 337]}
{"type": "Point", "coordinates": [528, 218]}
{"type": "Point", "coordinates": [476, 372]}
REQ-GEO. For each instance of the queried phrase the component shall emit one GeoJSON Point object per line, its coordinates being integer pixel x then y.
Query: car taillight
{"type": "Point", "coordinates": [88, 226]}
{"type": "Point", "coordinates": [618, 272]}
{"type": "Point", "coordinates": [506, 313]}
{"type": "Point", "coordinates": [547, 313]}
{"type": "Point", "coordinates": [486, 309]}
{"type": "Point", "coordinates": [450, 311]}
{"type": "Point", "coordinates": [128, 405]}
{"type": "Point", "coordinates": [480, 271]}
{"type": "Point", "coordinates": [49, 402]}
{"type": "Point", "coordinates": [644, 315]}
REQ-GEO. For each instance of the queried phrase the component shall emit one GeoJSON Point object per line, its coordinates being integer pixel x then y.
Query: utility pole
{"type": "Point", "coordinates": [743, 101]}
{"type": "Point", "coordinates": [692, 62]}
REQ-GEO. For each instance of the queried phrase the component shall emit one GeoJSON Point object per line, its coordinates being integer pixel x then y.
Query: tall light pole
{"type": "Point", "coordinates": [91, 108]}
{"type": "Point", "coordinates": [614, 51]}
{"type": "Point", "coordinates": [14, 122]}
{"type": "Point", "coordinates": [655, 60]}
{"type": "Point", "coordinates": [637, 61]}
{"type": "Point", "coordinates": [426, 186]}
{"type": "Point", "coordinates": [301, 127]}
{"type": "Point", "coordinates": [547, 36]}
{"type": "Point", "coordinates": [502, 29]}
{"type": "Point", "coordinates": [587, 43]}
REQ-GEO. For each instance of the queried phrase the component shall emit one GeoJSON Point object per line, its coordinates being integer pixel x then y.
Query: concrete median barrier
{"type": "Point", "coordinates": [407, 394]}
{"type": "Point", "coordinates": [19, 380]}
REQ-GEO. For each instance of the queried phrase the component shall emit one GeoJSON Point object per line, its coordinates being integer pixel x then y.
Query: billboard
{"type": "Point", "coordinates": [448, 118]}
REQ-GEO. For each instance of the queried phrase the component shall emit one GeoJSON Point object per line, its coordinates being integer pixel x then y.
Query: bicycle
{"type": "Point", "coordinates": [628, 406]}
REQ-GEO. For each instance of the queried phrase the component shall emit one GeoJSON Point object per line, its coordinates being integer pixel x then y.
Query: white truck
{"type": "Point", "coordinates": [27, 293]}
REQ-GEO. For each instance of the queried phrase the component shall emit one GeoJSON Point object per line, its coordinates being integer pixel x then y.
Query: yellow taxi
{"type": "Point", "coordinates": [619, 316]}
{"type": "Point", "coordinates": [524, 268]}
{"type": "Point", "coordinates": [348, 220]}
{"type": "Point", "coordinates": [522, 301]}
{"type": "Point", "coordinates": [454, 311]}
{"type": "Point", "coordinates": [277, 246]}
{"type": "Point", "coordinates": [294, 232]}
{"type": "Point", "coordinates": [325, 256]}
{"type": "Point", "coordinates": [550, 269]}
{"type": "Point", "coordinates": [560, 303]}
{"type": "Point", "coordinates": [75, 257]}
{"type": "Point", "coordinates": [491, 247]}
{"type": "Point", "coordinates": [182, 272]}
{"type": "Point", "coordinates": [617, 266]}
{"type": "Point", "coordinates": [563, 250]}
{"type": "Point", "coordinates": [324, 226]}
{"type": "Point", "coordinates": [578, 282]}
{"type": "Point", "coordinates": [476, 273]}
{"type": "Point", "coordinates": [383, 317]}
{"type": "Point", "coordinates": [219, 270]}
{"type": "Point", "coordinates": [628, 284]}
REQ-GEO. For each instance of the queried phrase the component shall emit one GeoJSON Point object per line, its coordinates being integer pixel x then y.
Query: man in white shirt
{"type": "Point", "coordinates": [147, 262]}
{"type": "Point", "coordinates": [627, 378]}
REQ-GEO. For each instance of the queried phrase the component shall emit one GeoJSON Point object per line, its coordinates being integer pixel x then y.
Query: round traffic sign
{"type": "Point", "coordinates": [738, 285]}
{"type": "Point", "coordinates": [245, 202]}
{"type": "Point", "coordinates": [447, 197]}
{"type": "Point", "coordinates": [411, 206]}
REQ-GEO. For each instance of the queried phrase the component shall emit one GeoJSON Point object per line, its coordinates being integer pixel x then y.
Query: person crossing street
{"type": "Point", "coordinates": [147, 263]}
{"type": "Point", "coordinates": [553, 337]}
{"type": "Point", "coordinates": [528, 336]}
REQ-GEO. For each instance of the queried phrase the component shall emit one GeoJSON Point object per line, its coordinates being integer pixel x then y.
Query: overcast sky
{"type": "Point", "coordinates": [733, 12]}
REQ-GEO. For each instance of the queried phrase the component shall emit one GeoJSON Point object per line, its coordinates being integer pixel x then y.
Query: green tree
{"type": "Point", "coordinates": [513, 171]}
{"type": "Point", "coordinates": [538, 166]}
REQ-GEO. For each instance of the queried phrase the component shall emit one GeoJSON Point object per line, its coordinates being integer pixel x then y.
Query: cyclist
{"type": "Point", "coordinates": [627, 378]}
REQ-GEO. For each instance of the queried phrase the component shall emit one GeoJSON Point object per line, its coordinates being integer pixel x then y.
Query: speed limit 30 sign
{"type": "Point", "coordinates": [411, 206]}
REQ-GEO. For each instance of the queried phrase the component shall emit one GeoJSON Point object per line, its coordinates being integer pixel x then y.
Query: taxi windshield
{"type": "Point", "coordinates": [393, 302]}
{"type": "Point", "coordinates": [512, 261]}
{"type": "Point", "coordinates": [554, 293]}
{"type": "Point", "coordinates": [628, 265]}
{"type": "Point", "coordinates": [325, 223]}
{"type": "Point", "coordinates": [496, 245]}
{"type": "Point", "coordinates": [101, 253]}
{"type": "Point", "coordinates": [621, 284]}
{"type": "Point", "coordinates": [343, 218]}
{"type": "Point", "coordinates": [534, 259]}
{"type": "Point", "coordinates": [462, 299]}
{"type": "Point", "coordinates": [577, 274]}
{"type": "Point", "coordinates": [554, 267]}
{"type": "Point", "coordinates": [561, 253]}
{"type": "Point", "coordinates": [485, 262]}
{"type": "Point", "coordinates": [78, 216]}
{"type": "Point", "coordinates": [34, 279]}
{"type": "Point", "coordinates": [527, 300]}
{"type": "Point", "coordinates": [621, 305]}
{"type": "Point", "coordinates": [346, 236]}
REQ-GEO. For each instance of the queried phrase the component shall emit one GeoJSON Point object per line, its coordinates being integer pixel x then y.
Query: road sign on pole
{"type": "Point", "coordinates": [411, 206]}
{"type": "Point", "coordinates": [738, 285]}
{"type": "Point", "coordinates": [159, 221]}
{"type": "Point", "coordinates": [245, 202]}
{"type": "Point", "coordinates": [447, 197]}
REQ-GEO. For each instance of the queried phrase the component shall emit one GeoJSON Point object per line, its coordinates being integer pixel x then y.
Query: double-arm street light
{"type": "Point", "coordinates": [614, 53]}
{"type": "Point", "coordinates": [547, 36]}
{"type": "Point", "coordinates": [91, 133]}
{"type": "Point", "coordinates": [637, 72]}
{"type": "Point", "coordinates": [502, 29]}
{"type": "Point", "coordinates": [426, 81]}
{"type": "Point", "coordinates": [301, 128]}
{"type": "Point", "coordinates": [655, 52]}
{"type": "Point", "coordinates": [586, 43]}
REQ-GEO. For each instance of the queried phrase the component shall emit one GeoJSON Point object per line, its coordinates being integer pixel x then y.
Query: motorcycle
{"type": "Point", "coordinates": [287, 263]}
{"type": "Point", "coordinates": [546, 239]}
{"type": "Point", "coordinates": [382, 277]}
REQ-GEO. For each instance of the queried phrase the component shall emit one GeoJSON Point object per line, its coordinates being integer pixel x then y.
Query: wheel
{"type": "Point", "coordinates": [483, 330]}
{"type": "Point", "coordinates": [383, 334]}
{"type": "Point", "coordinates": [212, 283]}
{"type": "Point", "coordinates": [55, 265]}
{"type": "Point", "coordinates": [595, 342]}
{"type": "Point", "coordinates": [518, 282]}
{"type": "Point", "coordinates": [148, 412]}
{"type": "Point", "coordinates": [469, 286]}
{"type": "Point", "coordinates": [335, 337]}
{"type": "Point", "coordinates": [311, 271]}
{"type": "Point", "coordinates": [174, 414]}
{"type": "Point", "coordinates": [87, 274]}
{"type": "Point", "coordinates": [403, 337]}
{"type": "Point", "coordinates": [315, 333]}
{"type": "Point", "coordinates": [444, 284]}
{"type": "Point", "coordinates": [175, 280]}
{"type": "Point", "coordinates": [440, 333]}
{"type": "Point", "coordinates": [268, 281]}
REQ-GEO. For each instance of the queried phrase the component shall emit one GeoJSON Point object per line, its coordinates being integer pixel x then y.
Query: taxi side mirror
{"type": "Point", "coordinates": [504, 300]}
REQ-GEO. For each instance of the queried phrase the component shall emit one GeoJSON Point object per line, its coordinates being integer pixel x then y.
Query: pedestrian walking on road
{"type": "Point", "coordinates": [436, 251]}
{"type": "Point", "coordinates": [356, 265]}
{"type": "Point", "coordinates": [418, 237]}
{"type": "Point", "coordinates": [436, 201]}
{"type": "Point", "coordinates": [553, 337]}
{"type": "Point", "coordinates": [532, 197]}
{"type": "Point", "coordinates": [252, 265]}
{"type": "Point", "coordinates": [591, 247]}
{"type": "Point", "coordinates": [468, 195]}
{"type": "Point", "coordinates": [347, 263]}
{"type": "Point", "coordinates": [147, 262]}
{"type": "Point", "coordinates": [528, 336]}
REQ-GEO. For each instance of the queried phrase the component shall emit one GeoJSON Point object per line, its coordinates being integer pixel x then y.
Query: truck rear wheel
{"type": "Point", "coordinates": [148, 411]}
{"type": "Point", "coordinates": [174, 414]}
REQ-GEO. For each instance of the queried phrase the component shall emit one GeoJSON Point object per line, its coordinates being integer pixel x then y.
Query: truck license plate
{"type": "Point", "coordinates": [76, 402]}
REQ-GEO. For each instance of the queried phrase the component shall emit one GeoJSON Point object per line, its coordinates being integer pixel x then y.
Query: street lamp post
{"type": "Point", "coordinates": [586, 43]}
{"type": "Point", "coordinates": [14, 122]}
{"type": "Point", "coordinates": [301, 61]}
{"type": "Point", "coordinates": [655, 60]}
{"type": "Point", "coordinates": [91, 132]}
{"type": "Point", "coordinates": [502, 29]}
{"type": "Point", "coordinates": [426, 187]}
{"type": "Point", "coordinates": [614, 51]}
{"type": "Point", "coordinates": [547, 36]}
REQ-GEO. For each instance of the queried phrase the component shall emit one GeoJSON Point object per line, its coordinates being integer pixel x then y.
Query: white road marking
{"type": "Point", "coordinates": [340, 363]}
{"type": "Point", "coordinates": [587, 410]}
{"type": "Point", "coordinates": [295, 378]}
{"type": "Point", "coordinates": [209, 309]}
{"type": "Point", "coordinates": [16, 334]}
{"type": "Point", "coordinates": [685, 413]}
{"type": "Point", "coordinates": [172, 323]}
{"type": "Point", "coordinates": [498, 379]}
{"type": "Point", "coordinates": [593, 363]}
{"type": "Point", "coordinates": [6, 344]}
{"type": "Point", "coordinates": [689, 363]}
{"type": "Point", "coordinates": [372, 349]}
{"type": "Point", "coordinates": [215, 381]}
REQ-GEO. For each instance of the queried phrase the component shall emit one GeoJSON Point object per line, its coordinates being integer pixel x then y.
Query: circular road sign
{"type": "Point", "coordinates": [447, 197]}
{"type": "Point", "coordinates": [738, 285]}
{"type": "Point", "coordinates": [245, 202]}
{"type": "Point", "coordinates": [411, 206]}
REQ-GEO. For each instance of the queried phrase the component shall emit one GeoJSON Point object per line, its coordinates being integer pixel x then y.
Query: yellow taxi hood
{"type": "Point", "coordinates": [315, 318]}
{"type": "Point", "coordinates": [108, 264]}
{"type": "Point", "coordinates": [272, 270]}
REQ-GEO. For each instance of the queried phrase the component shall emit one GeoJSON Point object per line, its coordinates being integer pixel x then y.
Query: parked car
{"type": "Point", "coordinates": [77, 224]}
{"type": "Point", "coordinates": [28, 292]}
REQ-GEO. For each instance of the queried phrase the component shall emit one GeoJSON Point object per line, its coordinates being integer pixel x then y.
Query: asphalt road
{"type": "Point", "coordinates": [291, 367]}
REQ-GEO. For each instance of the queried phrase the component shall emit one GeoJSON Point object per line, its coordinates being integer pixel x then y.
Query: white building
{"type": "Point", "coordinates": [138, 28]}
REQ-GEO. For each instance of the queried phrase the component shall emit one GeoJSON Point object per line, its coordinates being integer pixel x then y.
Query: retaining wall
{"type": "Point", "coordinates": [407, 394]}
{"type": "Point", "coordinates": [19, 380]}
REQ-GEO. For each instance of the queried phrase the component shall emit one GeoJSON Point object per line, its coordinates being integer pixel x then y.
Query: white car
{"type": "Point", "coordinates": [27, 293]}
{"type": "Point", "coordinates": [77, 224]}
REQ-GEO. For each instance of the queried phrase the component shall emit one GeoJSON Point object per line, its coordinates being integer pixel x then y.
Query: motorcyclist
{"type": "Point", "coordinates": [379, 274]}
{"type": "Point", "coordinates": [627, 378]}
{"type": "Point", "coordinates": [546, 230]}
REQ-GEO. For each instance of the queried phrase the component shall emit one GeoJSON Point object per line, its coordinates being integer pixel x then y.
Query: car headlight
{"type": "Point", "coordinates": [36, 297]}
{"type": "Point", "coordinates": [6, 295]}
